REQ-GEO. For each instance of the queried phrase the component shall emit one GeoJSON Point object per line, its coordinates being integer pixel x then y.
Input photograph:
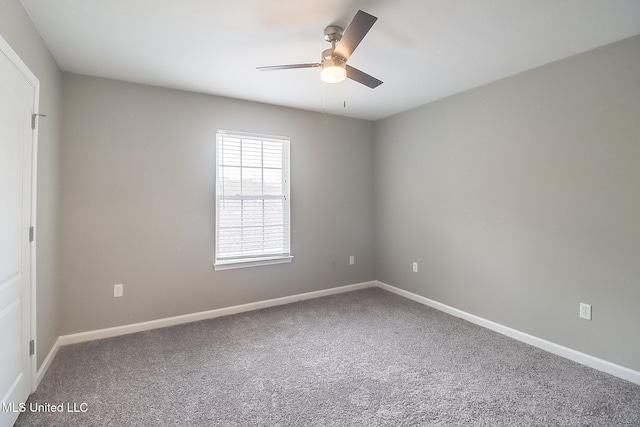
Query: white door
{"type": "Point", "coordinates": [17, 99]}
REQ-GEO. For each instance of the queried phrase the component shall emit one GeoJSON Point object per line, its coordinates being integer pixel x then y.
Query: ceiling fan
{"type": "Point", "coordinates": [333, 66]}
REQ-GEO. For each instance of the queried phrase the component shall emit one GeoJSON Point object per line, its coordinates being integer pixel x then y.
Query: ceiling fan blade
{"type": "Point", "coordinates": [287, 67]}
{"type": "Point", "coordinates": [353, 35]}
{"type": "Point", "coordinates": [362, 77]}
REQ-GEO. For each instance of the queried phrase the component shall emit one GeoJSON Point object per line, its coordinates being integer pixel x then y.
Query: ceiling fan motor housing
{"type": "Point", "coordinates": [333, 66]}
{"type": "Point", "coordinates": [327, 55]}
{"type": "Point", "coordinates": [332, 34]}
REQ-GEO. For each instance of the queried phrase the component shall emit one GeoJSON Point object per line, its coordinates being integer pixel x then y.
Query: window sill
{"type": "Point", "coordinates": [244, 263]}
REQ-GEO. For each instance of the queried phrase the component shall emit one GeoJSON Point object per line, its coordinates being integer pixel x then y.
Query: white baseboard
{"type": "Point", "coordinates": [203, 315]}
{"type": "Point", "coordinates": [568, 353]}
{"type": "Point", "coordinates": [46, 363]}
{"type": "Point", "coordinates": [557, 349]}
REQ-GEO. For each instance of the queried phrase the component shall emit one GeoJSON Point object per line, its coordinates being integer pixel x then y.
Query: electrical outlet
{"type": "Point", "coordinates": [352, 260]}
{"type": "Point", "coordinates": [118, 290]}
{"type": "Point", "coordinates": [585, 311]}
{"type": "Point", "coordinates": [415, 267]}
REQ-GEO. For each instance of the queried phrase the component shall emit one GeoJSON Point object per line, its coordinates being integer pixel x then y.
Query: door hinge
{"type": "Point", "coordinates": [32, 347]}
{"type": "Point", "coordinates": [34, 119]}
{"type": "Point", "coordinates": [31, 234]}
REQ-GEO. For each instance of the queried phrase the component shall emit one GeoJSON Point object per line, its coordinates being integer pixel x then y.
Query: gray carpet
{"type": "Point", "coordinates": [364, 358]}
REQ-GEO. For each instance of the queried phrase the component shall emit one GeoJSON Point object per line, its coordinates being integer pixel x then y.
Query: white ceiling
{"type": "Point", "coordinates": [423, 50]}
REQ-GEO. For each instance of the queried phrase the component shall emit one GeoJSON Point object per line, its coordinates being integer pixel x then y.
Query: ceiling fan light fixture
{"type": "Point", "coordinates": [333, 71]}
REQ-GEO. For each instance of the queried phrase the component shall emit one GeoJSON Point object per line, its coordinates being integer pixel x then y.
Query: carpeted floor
{"type": "Point", "coordinates": [363, 358]}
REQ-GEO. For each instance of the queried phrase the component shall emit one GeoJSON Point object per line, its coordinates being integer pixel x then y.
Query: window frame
{"type": "Point", "coordinates": [264, 259]}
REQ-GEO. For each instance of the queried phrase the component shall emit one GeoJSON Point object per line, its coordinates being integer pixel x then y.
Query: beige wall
{"type": "Point", "coordinates": [520, 199]}
{"type": "Point", "coordinates": [138, 176]}
{"type": "Point", "coordinates": [17, 30]}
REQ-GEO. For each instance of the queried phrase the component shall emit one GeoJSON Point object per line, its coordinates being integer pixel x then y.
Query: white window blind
{"type": "Point", "coordinates": [252, 200]}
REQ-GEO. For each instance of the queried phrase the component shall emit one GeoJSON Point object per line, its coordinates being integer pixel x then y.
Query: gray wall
{"type": "Point", "coordinates": [16, 28]}
{"type": "Point", "coordinates": [138, 176]}
{"type": "Point", "coordinates": [520, 199]}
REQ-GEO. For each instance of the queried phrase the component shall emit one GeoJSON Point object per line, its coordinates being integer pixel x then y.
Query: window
{"type": "Point", "coordinates": [252, 200]}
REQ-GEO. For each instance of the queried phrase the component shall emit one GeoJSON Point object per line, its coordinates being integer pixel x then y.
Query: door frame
{"type": "Point", "coordinates": [13, 57]}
